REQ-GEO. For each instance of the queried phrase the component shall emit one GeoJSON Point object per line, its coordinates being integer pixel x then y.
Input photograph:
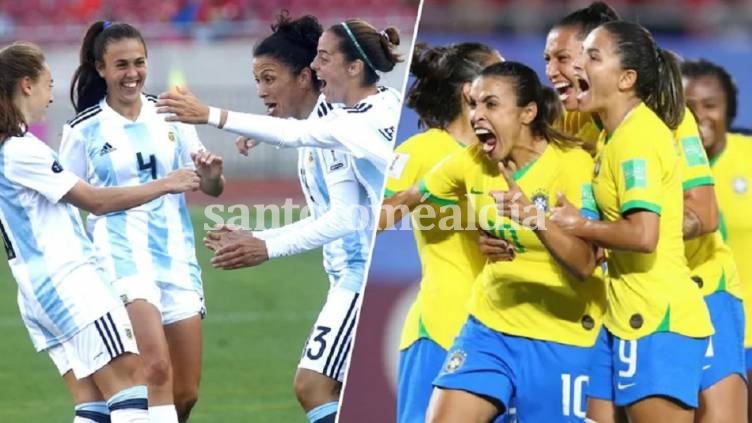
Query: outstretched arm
{"type": "Point", "coordinates": [103, 200]}
{"type": "Point", "coordinates": [184, 107]}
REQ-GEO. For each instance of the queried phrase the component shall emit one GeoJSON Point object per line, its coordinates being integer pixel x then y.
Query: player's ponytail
{"type": "Point", "coordinates": [361, 41]}
{"type": "Point", "coordinates": [87, 87]}
{"type": "Point", "coordinates": [528, 89]}
{"type": "Point", "coordinates": [440, 75]}
{"type": "Point", "coordinates": [588, 18]}
{"type": "Point", "coordinates": [17, 61]}
{"type": "Point", "coordinates": [659, 82]}
{"type": "Point", "coordinates": [668, 100]}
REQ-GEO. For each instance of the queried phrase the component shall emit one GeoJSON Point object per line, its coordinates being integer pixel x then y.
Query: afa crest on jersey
{"type": "Point", "coordinates": [741, 185]}
{"type": "Point", "coordinates": [540, 200]}
{"type": "Point", "coordinates": [455, 361]}
{"type": "Point", "coordinates": [171, 136]}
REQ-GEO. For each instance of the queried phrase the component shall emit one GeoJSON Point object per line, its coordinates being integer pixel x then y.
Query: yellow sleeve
{"type": "Point", "coordinates": [445, 183]}
{"type": "Point", "coordinates": [694, 163]}
{"type": "Point", "coordinates": [404, 170]}
{"type": "Point", "coordinates": [638, 171]}
{"type": "Point", "coordinates": [578, 187]}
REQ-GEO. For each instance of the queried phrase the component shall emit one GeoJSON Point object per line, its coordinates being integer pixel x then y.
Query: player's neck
{"type": "Point", "coordinates": [461, 131]}
{"type": "Point", "coordinates": [615, 114]}
{"type": "Point", "coordinates": [527, 150]}
{"type": "Point", "coordinates": [717, 148]}
{"type": "Point", "coordinates": [307, 105]}
{"type": "Point", "coordinates": [356, 94]}
{"type": "Point", "coordinates": [128, 111]}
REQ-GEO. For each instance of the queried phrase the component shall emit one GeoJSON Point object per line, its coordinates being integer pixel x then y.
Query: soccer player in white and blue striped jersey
{"type": "Point", "coordinates": [66, 301]}
{"type": "Point", "coordinates": [343, 156]}
{"type": "Point", "coordinates": [117, 139]}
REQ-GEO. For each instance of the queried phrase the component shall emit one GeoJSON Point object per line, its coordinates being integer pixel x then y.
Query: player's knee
{"type": "Point", "coordinates": [158, 371]}
{"type": "Point", "coordinates": [184, 402]}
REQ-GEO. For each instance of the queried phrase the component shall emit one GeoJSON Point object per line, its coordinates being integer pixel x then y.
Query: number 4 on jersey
{"type": "Point", "coordinates": [151, 165]}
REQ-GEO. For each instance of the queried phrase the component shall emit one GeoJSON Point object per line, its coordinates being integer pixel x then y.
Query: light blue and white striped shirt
{"type": "Point", "coordinates": [154, 241]}
{"type": "Point", "coordinates": [61, 289]}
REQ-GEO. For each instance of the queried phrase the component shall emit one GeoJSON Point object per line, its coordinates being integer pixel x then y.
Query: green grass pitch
{"type": "Point", "coordinates": [254, 331]}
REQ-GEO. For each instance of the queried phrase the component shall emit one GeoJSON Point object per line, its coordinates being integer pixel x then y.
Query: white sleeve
{"type": "Point", "coordinates": [72, 152]}
{"type": "Point", "coordinates": [34, 166]}
{"type": "Point", "coordinates": [338, 221]}
{"type": "Point", "coordinates": [270, 233]}
{"type": "Point", "coordinates": [339, 130]}
{"type": "Point", "coordinates": [189, 142]}
{"type": "Point", "coordinates": [337, 168]}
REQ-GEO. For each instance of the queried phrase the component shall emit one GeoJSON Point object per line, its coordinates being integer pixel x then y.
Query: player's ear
{"type": "Point", "coordinates": [305, 77]}
{"type": "Point", "coordinates": [100, 68]}
{"type": "Point", "coordinates": [355, 67]}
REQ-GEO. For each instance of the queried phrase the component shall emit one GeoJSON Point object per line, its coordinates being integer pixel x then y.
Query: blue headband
{"type": "Point", "coordinates": [357, 46]}
{"type": "Point", "coordinates": [106, 24]}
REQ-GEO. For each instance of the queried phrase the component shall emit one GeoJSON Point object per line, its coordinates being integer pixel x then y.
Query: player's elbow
{"type": "Point", "coordinates": [647, 242]}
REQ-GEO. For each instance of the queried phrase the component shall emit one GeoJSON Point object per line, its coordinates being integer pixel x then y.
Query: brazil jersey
{"type": "Point", "coordinates": [531, 296]}
{"type": "Point", "coordinates": [710, 259]}
{"type": "Point", "coordinates": [638, 169]}
{"type": "Point", "coordinates": [733, 176]}
{"type": "Point", "coordinates": [450, 259]}
{"type": "Point", "coordinates": [582, 125]}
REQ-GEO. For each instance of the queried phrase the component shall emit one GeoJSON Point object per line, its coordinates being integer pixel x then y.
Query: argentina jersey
{"type": "Point", "coordinates": [155, 241]}
{"type": "Point", "coordinates": [60, 287]}
{"type": "Point", "coordinates": [344, 258]}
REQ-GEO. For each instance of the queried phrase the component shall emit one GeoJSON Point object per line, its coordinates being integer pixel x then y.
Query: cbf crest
{"type": "Point", "coordinates": [540, 200]}
{"type": "Point", "coordinates": [741, 185]}
{"type": "Point", "coordinates": [455, 361]}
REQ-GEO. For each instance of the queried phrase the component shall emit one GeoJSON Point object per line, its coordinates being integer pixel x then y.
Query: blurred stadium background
{"type": "Point", "coordinates": [258, 319]}
{"type": "Point", "coordinates": [720, 31]}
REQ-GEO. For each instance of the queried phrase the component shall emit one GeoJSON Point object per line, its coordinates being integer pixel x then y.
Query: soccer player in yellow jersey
{"type": "Point", "coordinates": [711, 94]}
{"type": "Point", "coordinates": [450, 259]}
{"type": "Point", "coordinates": [563, 45]}
{"type": "Point", "coordinates": [654, 308]}
{"type": "Point", "coordinates": [534, 320]}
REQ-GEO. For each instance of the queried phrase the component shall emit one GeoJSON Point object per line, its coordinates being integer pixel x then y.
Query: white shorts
{"type": "Point", "coordinates": [174, 302]}
{"type": "Point", "coordinates": [95, 345]}
{"type": "Point", "coordinates": [327, 350]}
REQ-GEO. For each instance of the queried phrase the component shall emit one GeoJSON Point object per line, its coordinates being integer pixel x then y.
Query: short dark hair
{"type": "Point", "coordinates": [293, 42]}
{"type": "Point", "coordinates": [702, 67]}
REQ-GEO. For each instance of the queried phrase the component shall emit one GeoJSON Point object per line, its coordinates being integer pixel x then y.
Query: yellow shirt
{"type": "Point", "coordinates": [639, 169]}
{"type": "Point", "coordinates": [531, 296]}
{"type": "Point", "coordinates": [450, 259]}
{"type": "Point", "coordinates": [732, 169]}
{"type": "Point", "coordinates": [583, 126]}
{"type": "Point", "coordinates": [710, 259]}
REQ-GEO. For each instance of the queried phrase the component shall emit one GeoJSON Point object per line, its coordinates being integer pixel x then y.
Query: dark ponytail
{"type": "Point", "coordinates": [588, 18]}
{"type": "Point", "coordinates": [440, 73]}
{"type": "Point", "coordinates": [361, 41]}
{"type": "Point", "coordinates": [17, 61]}
{"type": "Point", "coordinates": [87, 87]}
{"type": "Point", "coordinates": [659, 81]}
{"type": "Point", "coordinates": [528, 89]}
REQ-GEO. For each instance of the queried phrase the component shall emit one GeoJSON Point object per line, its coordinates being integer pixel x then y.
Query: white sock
{"type": "Point", "coordinates": [129, 406]}
{"type": "Point", "coordinates": [163, 414]}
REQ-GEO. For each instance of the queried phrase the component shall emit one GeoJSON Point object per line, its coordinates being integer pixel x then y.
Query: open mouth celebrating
{"type": "Point", "coordinates": [564, 89]}
{"type": "Point", "coordinates": [584, 87]}
{"type": "Point", "coordinates": [487, 139]}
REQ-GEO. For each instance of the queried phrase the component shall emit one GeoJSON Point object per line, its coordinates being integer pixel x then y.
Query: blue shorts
{"type": "Point", "coordinates": [545, 381]}
{"type": "Point", "coordinates": [661, 363]}
{"type": "Point", "coordinates": [725, 354]}
{"type": "Point", "coordinates": [418, 366]}
{"type": "Point", "coordinates": [748, 358]}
